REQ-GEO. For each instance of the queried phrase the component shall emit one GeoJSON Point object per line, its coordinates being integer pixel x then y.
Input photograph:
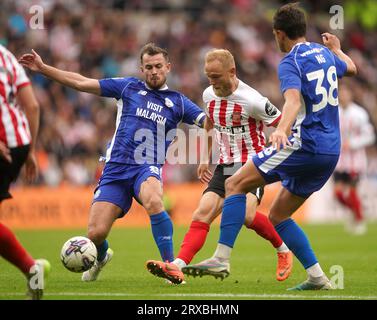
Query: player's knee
{"type": "Point", "coordinates": [231, 186]}
{"type": "Point", "coordinates": [274, 218]}
{"type": "Point", "coordinates": [97, 234]}
{"type": "Point", "coordinates": [153, 204]}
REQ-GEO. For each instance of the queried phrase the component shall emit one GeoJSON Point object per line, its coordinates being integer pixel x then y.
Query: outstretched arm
{"type": "Point", "coordinates": [71, 79]}
{"type": "Point", "coordinates": [332, 42]}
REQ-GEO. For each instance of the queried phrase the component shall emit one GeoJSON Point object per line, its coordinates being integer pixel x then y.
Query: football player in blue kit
{"type": "Point", "coordinates": [148, 115]}
{"type": "Point", "coordinates": [304, 147]}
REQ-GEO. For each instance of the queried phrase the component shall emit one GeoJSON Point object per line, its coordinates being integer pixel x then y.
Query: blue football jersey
{"type": "Point", "coordinates": [314, 70]}
{"type": "Point", "coordinates": [146, 120]}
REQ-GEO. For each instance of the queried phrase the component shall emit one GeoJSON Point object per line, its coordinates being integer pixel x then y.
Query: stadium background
{"type": "Point", "coordinates": [102, 39]}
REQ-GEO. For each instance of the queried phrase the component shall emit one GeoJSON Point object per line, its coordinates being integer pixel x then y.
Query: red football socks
{"type": "Point", "coordinates": [339, 195]}
{"type": "Point", "coordinates": [13, 251]}
{"type": "Point", "coordinates": [193, 240]}
{"type": "Point", "coordinates": [262, 226]}
{"type": "Point", "coordinates": [355, 204]}
{"type": "Point", "coordinates": [352, 201]}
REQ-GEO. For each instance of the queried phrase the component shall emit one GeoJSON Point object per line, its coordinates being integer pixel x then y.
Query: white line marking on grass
{"type": "Point", "coordinates": [196, 295]}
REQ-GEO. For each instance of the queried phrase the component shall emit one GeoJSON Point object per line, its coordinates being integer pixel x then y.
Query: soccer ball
{"type": "Point", "coordinates": [78, 254]}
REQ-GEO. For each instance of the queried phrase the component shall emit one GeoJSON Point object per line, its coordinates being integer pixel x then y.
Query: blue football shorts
{"type": "Point", "coordinates": [301, 172]}
{"type": "Point", "coordinates": [120, 183]}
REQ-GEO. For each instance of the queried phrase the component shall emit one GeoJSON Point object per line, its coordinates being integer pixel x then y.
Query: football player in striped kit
{"type": "Point", "coordinates": [237, 113]}
{"type": "Point", "coordinates": [357, 133]}
{"type": "Point", "coordinates": [19, 122]}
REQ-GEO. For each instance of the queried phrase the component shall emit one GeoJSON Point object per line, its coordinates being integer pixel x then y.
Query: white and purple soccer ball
{"type": "Point", "coordinates": [78, 254]}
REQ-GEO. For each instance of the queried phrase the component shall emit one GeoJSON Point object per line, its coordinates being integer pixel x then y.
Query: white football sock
{"type": "Point", "coordinates": [222, 253]}
{"type": "Point", "coordinates": [179, 263]}
{"type": "Point", "coordinates": [283, 248]}
{"type": "Point", "coordinates": [315, 271]}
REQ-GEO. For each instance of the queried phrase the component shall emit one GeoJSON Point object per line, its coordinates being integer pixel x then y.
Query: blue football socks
{"type": "Point", "coordinates": [296, 240]}
{"type": "Point", "coordinates": [162, 230]}
{"type": "Point", "coordinates": [233, 217]}
{"type": "Point", "coordinates": [101, 250]}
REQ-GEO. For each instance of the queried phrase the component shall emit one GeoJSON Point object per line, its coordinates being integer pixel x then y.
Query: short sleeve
{"type": "Point", "coordinates": [206, 100]}
{"type": "Point", "coordinates": [289, 76]}
{"type": "Point", "coordinates": [20, 77]}
{"type": "Point", "coordinates": [260, 108]}
{"type": "Point", "coordinates": [113, 87]}
{"type": "Point", "coordinates": [192, 113]}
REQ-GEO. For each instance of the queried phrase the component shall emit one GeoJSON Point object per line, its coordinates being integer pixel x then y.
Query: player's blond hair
{"type": "Point", "coordinates": [222, 55]}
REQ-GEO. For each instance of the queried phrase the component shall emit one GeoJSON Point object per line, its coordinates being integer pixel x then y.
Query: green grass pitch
{"type": "Point", "coordinates": [252, 267]}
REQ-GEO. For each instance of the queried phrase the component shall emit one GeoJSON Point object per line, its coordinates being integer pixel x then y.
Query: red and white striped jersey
{"type": "Point", "coordinates": [357, 133]}
{"type": "Point", "coordinates": [14, 127]}
{"type": "Point", "coordinates": [238, 121]}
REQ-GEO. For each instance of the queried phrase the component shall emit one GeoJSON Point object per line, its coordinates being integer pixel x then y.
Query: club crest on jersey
{"type": "Point", "coordinates": [236, 117]}
{"type": "Point", "coordinates": [169, 103]}
{"type": "Point", "coordinates": [270, 109]}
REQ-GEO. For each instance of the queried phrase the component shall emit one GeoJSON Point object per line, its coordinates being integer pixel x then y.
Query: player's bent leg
{"type": "Point", "coordinates": [234, 209]}
{"type": "Point", "coordinates": [209, 208]}
{"type": "Point", "coordinates": [13, 251]}
{"type": "Point", "coordinates": [101, 218]}
{"type": "Point", "coordinates": [245, 179]}
{"type": "Point", "coordinates": [264, 228]}
{"type": "Point", "coordinates": [150, 196]}
{"type": "Point", "coordinates": [283, 207]}
{"type": "Point", "coordinates": [233, 217]}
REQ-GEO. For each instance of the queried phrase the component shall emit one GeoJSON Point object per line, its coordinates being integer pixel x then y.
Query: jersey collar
{"type": "Point", "coordinates": [299, 43]}
{"type": "Point", "coordinates": [164, 87]}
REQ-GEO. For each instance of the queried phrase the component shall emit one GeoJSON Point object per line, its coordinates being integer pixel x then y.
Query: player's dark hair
{"type": "Point", "coordinates": [151, 49]}
{"type": "Point", "coordinates": [290, 19]}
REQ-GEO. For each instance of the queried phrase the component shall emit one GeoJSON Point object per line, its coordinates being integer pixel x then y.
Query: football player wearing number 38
{"type": "Point", "coordinates": [305, 146]}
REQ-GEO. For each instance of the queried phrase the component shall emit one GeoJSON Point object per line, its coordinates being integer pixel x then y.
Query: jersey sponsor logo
{"type": "Point", "coordinates": [154, 106]}
{"type": "Point", "coordinates": [270, 109]}
{"type": "Point", "coordinates": [236, 117]}
{"type": "Point", "coordinates": [311, 51]}
{"type": "Point", "coordinates": [150, 115]}
{"type": "Point", "coordinates": [233, 130]}
{"type": "Point", "coordinates": [169, 103]}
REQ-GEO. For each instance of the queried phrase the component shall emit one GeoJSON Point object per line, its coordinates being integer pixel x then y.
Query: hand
{"type": "Point", "coordinates": [204, 174]}
{"type": "Point", "coordinates": [279, 138]}
{"type": "Point", "coordinates": [32, 61]}
{"type": "Point", "coordinates": [31, 167]}
{"type": "Point", "coordinates": [5, 152]}
{"type": "Point", "coordinates": [331, 41]}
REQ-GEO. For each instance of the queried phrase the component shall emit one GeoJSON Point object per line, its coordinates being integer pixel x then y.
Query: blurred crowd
{"type": "Point", "coordinates": [102, 38]}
